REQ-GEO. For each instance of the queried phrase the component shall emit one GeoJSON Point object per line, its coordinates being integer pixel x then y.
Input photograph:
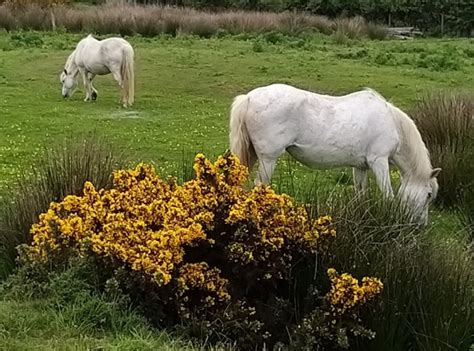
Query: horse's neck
{"type": "Point", "coordinates": [412, 157]}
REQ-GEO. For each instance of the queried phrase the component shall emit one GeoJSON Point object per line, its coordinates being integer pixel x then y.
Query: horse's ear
{"type": "Point", "coordinates": [435, 172]}
{"type": "Point", "coordinates": [65, 71]}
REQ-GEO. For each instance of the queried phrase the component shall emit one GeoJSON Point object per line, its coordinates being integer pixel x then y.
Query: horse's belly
{"type": "Point", "coordinates": [101, 70]}
{"type": "Point", "coordinates": [327, 158]}
{"type": "Point", "coordinates": [98, 69]}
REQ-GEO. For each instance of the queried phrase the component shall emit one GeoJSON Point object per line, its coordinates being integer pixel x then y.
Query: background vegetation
{"type": "Point", "coordinates": [150, 21]}
{"type": "Point", "coordinates": [435, 16]}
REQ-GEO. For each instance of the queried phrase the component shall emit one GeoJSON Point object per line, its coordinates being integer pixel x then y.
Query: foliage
{"type": "Point", "coordinates": [57, 172]}
{"type": "Point", "coordinates": [206, 250]}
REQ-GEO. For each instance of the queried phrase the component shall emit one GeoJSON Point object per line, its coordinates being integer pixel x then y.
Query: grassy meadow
{"type": "Point", "coordinates": [184, 88]}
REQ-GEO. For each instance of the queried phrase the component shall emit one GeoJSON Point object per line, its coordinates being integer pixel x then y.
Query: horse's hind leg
{"type": "Point", "coordinates": [118, 78]}
{"type": "Point", "coordinates": [93, 91]}
{"type": "Point", "coordinates": [382, 175]}
{"type": "Point", "coordinates": [266, 167]}
{"type": "Point", "coordinates": [267, 150]}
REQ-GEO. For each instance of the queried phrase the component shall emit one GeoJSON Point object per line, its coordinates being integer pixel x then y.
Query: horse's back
{"type": "Point", "coordinates": [281, 102]}
{"type": "Point", "coordinates": [91, 45]}
{"type": "Point", "coordinates": [116, 42]}
{"type": "Point", "coordinates": [102, 56]}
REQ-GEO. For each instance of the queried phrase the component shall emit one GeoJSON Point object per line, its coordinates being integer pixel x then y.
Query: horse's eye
{"type": "Point", "coordinates": [429, 195]}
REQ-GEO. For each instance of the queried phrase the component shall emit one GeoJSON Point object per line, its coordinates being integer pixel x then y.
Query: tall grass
{"type": "Point", "coordinates": [446, 121]}
{"type": "Point", "coordinates": [428, 278]}
{"type": "Point", "coordinates": [58, 172]}
{"type": "Point", "coordinates": [152, 20]}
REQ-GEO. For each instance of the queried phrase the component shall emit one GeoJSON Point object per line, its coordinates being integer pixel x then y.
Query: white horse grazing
{"type": "Point", "coordinates": [93, 57]}
{"type": "Point", "coordinates": [361, 130]}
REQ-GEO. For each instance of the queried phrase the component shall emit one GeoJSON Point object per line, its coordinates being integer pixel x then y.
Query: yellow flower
{"type": "Point", "coordinates": [346, 293]}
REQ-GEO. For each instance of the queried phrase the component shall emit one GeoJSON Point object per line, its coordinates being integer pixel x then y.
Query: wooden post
{"type": "Point", "coordinates": [53, 19]}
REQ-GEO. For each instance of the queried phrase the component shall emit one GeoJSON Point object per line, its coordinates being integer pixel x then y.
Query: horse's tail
{"type": "Point", "coordinates": [240, 143]}
{"type": "Point", "coordinates": [128, 76]}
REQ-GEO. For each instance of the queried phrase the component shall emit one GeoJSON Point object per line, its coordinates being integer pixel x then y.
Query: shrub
{"type": "Point", "coordinates": [340, 38]}
{"type": "Point", "coordinates": [258, 45]}
{"type": "Point", "coordinates": [57, 172]}
{"type": "Point", "coordinates": [7, 20]}
{"type": "Point", "coordinates": [200, 26]}
{"type": "Point", "coordinates": [209, 254]}
{"type": "Point", "coordinates": [445, 61]}
{"type": "Point", "coordinates": [26, 40]}
{"type": "Point", "coordinates": [32, 17]}
{"type": "Point", "coordinates": [385, 58]}
{"type": "Point", "coordinates": [353, 28]}
{"type": "Point", "coordinates": [376, 31]}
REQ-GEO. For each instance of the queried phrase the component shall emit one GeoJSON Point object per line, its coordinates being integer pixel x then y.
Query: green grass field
{"type": "Point", "coordinates": [184, 87]}
{"type": "Point", "coordinates": [32, 326]}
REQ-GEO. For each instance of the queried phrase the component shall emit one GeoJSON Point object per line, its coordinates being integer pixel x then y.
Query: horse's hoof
{"type": "Point", "coordinates": [94, 96]}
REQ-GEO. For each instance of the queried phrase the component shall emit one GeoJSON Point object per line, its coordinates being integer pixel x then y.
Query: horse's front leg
{"type": "Point", "coordinates": [381, 171]}
{"type": "Point", "coordinates": [85, 80]}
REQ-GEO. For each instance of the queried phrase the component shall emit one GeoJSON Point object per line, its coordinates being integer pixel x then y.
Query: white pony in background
{"type": "Point", "coordinates": [360, 130]}
{"type": "Point", "coordinates": [93, 57]}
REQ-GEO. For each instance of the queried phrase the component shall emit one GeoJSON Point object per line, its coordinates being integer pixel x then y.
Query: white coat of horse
{"type": "Point", "coordinates": [361, 130]}
{"type": "Point", "coordinates": [99, 57]}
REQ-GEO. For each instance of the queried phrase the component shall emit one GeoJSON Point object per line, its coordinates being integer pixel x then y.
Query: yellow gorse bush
{"type": "Point", "coordinates": [147, 222]}
{"type": "Point", "coordinates": [346, 293]}
{"type": "Point", "coordinates": [201, 249]}
{"type": "Point", "coordinates": [143, 220]}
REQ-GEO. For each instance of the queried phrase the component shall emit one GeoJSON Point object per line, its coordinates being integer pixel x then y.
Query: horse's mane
{"type": "Point", "coordinates": [69, 60]}
{"type": "Point", "coordinates": [412, 149]}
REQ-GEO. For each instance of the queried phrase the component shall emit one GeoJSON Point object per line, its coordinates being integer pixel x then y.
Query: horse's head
{"type": "Point", "coordinates": [420, 194]}
{"type": "Point", "coordinates": [68, 83]}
